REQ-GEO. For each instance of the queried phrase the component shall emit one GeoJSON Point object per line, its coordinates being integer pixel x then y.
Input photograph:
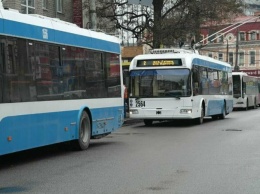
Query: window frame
{"type": "Point", "coordinates": [231, 58]}
{"type": "Point", "coordinates": [252, 58]}
{"type": "Point", "coordinates": [45, 4]}
{"type": "Point", "coordinates": [241, 58]}
{"type": "Point", "coordinates": [59, 6]}
{"type": "Point", "coordinates": [220, 57]}
{"type": "Point", "coordinates": [253, 35]}
{"type": "Point", "coordinates": [27, 6]}
{"type": "Point", "coordinates": [242, 36]}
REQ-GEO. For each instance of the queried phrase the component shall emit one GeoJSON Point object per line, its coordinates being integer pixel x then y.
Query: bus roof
{"type": "Point", "coordinates": [53, 30]}
{"type": "Point", "coordinates": [188, 60]}
{"type": "Point", "coordinates": [243, 74]}
{"type": "Point", "coordinates": [240, 73]}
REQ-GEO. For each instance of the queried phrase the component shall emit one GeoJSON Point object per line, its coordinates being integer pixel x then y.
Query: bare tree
{"type": "Point", "coordinates": [166, 22]}
{"type": "Point", "coordinates": [105, 24]}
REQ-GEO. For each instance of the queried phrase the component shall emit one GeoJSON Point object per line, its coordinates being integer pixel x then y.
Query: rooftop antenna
{"type": "Point", "coordinates": [181, 43]}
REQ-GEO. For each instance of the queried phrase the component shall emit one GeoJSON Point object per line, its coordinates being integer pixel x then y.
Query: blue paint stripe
{"type": "Point", "coordinates": [218, 66]}
{"type": "Point", "coordinates": [216, 106]}
{"type": "Point", "coordinates": [23, 30]}
{"type": "Point", "coordinates": [34, 130]}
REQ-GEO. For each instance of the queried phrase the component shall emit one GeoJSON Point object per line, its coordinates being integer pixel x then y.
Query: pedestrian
{"type": "Point", "coordinates": [125, 100]}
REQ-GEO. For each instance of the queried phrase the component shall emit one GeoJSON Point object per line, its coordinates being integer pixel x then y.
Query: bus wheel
{"type": "Point", "coordinates": [246, 105]}
{"type": "Point", "coordinates": [84, 132]}
{"type": "Point", "coordinates": [148, 122]}
{"type": "Point", "coordinates": [223, 115]}
{"type": "Point", "coordinates": [201, 118]}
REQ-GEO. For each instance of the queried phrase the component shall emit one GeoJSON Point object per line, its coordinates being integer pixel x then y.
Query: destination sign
{"type": "Point", "coordinates": [159, 62]}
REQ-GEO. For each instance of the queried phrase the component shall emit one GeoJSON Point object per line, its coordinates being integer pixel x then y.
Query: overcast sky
{"type": "Point", "coordinates": [142, 2]}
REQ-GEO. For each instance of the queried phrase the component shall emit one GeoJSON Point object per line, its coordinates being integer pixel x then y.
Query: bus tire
{"type": "Point", "coordinates": [255, 105]}
{"type": "Point", "coordinates": [84, 131]}
{"type": "Point", "coordinates": [247, 105]}
{"type": "Point", "coordinates": [199, 120]}
{"type": "Point", "coordinates": [148, 122]}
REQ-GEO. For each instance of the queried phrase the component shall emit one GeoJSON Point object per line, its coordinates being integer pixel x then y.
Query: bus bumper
{"type": "Point", "coordinates": [184, 113]}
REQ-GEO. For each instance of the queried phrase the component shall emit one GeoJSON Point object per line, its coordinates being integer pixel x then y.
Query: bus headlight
{"type": "Point", "coordinates": [186, 111]}
{"type": "Point", "coordinates": [133, 111]}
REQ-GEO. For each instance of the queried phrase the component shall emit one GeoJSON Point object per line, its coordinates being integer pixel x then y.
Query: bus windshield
{"type": "Point", "coordinates": [160, 83]}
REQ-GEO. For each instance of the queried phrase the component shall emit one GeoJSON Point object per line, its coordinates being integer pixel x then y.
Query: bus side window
{"type": "Point", "coordinates": [195, 80]}
{"type": "Point", "coordinates": [243, 89]}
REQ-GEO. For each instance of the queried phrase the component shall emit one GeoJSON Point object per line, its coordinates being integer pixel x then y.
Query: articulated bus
{"type": "Point", "coordinates": [179, 84]}
{"type": "Point", "coordinates": [58, 83]}
{"type": "Point", "coordinates": [245, 91]}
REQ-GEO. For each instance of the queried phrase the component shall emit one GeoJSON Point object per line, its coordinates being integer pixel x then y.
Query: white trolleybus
{"type": "Point", "coordinates": [58, 83]}
{"type": "Point", "coordinates": [179, 84]}
{"type": "Point", "coordinates": [245, 91]}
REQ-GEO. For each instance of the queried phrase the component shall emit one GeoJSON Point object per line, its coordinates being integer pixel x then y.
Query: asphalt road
{"type": "Point", "coordinates": [217, 157]}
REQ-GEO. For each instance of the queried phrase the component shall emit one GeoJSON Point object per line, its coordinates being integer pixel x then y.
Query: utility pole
{"type": "Point", "coordinates": [227, 51]}
{"type": "Point", "coordinates": [236, 68]}
{"type": "Point", "coordinates": [93, 14]}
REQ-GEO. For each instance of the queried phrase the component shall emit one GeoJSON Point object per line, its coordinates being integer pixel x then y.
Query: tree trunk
{"type": "Point", "coordinates": [157, 39]}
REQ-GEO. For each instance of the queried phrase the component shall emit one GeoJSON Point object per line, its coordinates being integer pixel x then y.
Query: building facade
{"type": "Point", "coordinates": [62, 9]}
{"type": "Point", "coordinates": [239, 46]}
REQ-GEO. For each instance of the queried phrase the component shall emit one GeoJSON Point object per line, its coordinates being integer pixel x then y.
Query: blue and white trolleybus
{"type": "Point", "coordinates": [179, 84]}
{"type": "Point", "coordinates": [58, 83]}
{"type": "Point", "coordinates": [245, 90]}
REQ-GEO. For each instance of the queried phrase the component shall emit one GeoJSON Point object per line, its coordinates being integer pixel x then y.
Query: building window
{"type": "Point", "coordinates": [59, 6]}
{"type": "Point", "coordinates": [27, 6]}
{"type": "Point", "coordinates": [45, 4]}
{"type": "Point", "coordinates": [241, 58]}
{"type": "Point", "coordinates": [220, 38]}
{"type": "Point", "coordinates": [210, 55]}
{"type": "Point", "coordinates": [252, 58]}
{"type": "Point", "coordinates": [231, 58]}
{"type": "Point", "coordinates": [252, 35]}
{"type": "Point", "coordinates": [242, 36]}
{"type": "Point", "coordinates": [220, 56]}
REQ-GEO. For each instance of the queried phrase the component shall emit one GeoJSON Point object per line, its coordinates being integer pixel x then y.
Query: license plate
{"type": "Point", "coordinates": [140, 103]}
